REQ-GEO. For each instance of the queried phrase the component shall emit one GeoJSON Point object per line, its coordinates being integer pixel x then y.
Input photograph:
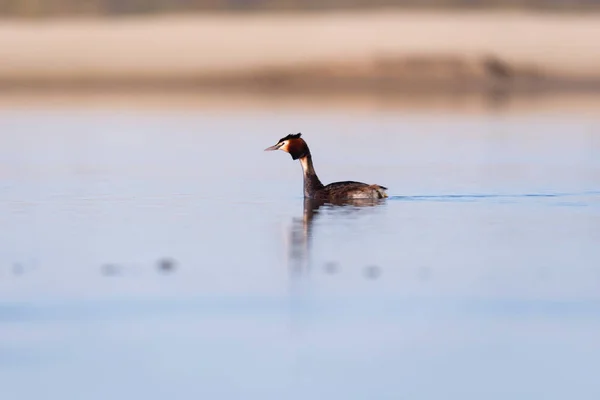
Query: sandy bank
{"type": "Point", "coordinates": [231, 48]}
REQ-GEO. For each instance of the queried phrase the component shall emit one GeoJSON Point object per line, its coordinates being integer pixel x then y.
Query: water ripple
{"type": "Point", "coordinates": [496, 196]}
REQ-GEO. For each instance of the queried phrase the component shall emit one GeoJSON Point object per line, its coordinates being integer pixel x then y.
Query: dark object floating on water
{"type": "Point", "coordinates": [331, 267]}
{"type": "Point", "coordinates": [372, 272]}
{"type": "Point", "coordinates": [166, 265]}
{"type": "Point", "coordinates": [313, 188]}
{"type": "Point", "coordinates": [110, 269]}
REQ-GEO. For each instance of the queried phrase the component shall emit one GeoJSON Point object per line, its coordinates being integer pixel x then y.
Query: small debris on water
{"type": "Point", "coordinates": [372, 272]}
{"type": "Point", "coordinates": [166, 265]}
{"type": "Point", "coordinates": [424, 274]}
{"type": "Point", "coordinates": [18, 269]}
{"type": "Point", "coordinates": [331, 267]}
{"type": "Point", "coordinates": [110, 269]}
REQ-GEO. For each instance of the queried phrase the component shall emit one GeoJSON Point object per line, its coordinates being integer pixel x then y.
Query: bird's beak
{"type": "Point", "coordinates": [274, 147]}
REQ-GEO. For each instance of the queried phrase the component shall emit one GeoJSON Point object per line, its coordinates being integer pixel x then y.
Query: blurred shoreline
{"type": "Point", "coordinates": [584, 104]}
{"type": "Point", "coordinates": [429, 53]}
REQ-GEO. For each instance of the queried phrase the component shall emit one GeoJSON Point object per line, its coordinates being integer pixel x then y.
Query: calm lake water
{"type": "Point", "coordinates": [159, 255]}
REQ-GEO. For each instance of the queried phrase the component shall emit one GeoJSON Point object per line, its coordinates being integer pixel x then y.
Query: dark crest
{"type": "Point", "coordinates": [296, 136]}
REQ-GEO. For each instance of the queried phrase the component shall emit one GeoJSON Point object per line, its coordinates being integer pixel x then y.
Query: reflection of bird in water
{"type": "Point", "coordinates": [300, 235]}
{"type": "Point", "coordinates": [301, 230]}
{"type": "Point", "coordinates": [313, 188]}
{"type": "Point", "coordinates": [299, 255]}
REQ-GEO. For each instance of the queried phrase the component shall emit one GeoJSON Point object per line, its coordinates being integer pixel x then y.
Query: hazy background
{"type": "Point", "coordinates": [296, 47]}
{"type": "Point", "coordinates": [108, 7]}
{"type": "Point", "coordinates": [151, 249]}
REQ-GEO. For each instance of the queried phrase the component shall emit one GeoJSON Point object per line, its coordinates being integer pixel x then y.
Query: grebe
{"type": "Point", "coordinates": [313, 188]}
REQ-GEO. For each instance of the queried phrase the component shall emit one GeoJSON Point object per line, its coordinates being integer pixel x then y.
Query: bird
{"type": "Point", "coordinates": [313, 188]}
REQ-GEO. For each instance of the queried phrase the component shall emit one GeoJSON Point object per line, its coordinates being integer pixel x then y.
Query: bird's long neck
{"type": "Point", "coordinates": [311, 180]}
